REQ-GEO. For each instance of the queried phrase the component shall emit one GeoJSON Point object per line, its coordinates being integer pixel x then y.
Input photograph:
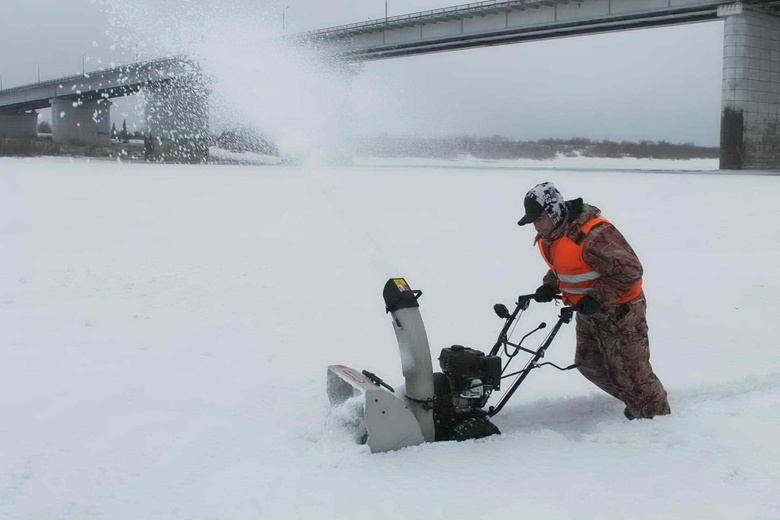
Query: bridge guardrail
{"type": "Point", "coordinates": [400, 19]}
{"type": "Point", "coordinates": [89, 75]}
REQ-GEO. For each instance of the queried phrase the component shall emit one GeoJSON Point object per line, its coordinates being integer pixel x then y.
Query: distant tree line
{"type": "Point", "coordinates": [502, 148]}
{"type": "Point", "coordinates": [248, 139]}
{"type": "Point", "coordinates": [44, 127]}
{"type": "Point", "coordinates": [239, 139]}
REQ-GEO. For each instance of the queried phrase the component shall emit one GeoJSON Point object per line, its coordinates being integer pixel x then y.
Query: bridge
{"type": "Point", "coordinates": [502, 22]}
{"type": "Point", "coordinates": [176, 107]}
{"type": "Point", "coordinates": [750, 122]}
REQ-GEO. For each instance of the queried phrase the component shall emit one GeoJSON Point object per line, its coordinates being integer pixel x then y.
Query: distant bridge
{"type": "Point", "coordinates": [495, 22]}
{"type": "Point", "coordinates": [176, 109]}
{"type": "Point", "coordinates": [101, 84]}
{"type": "Point", "coordinates": [750, 128]}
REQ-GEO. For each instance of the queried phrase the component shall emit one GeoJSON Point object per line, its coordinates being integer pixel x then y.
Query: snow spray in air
{"type": "Point", "coordinates": [256, 79]}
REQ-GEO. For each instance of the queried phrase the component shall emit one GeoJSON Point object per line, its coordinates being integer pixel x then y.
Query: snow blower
{"type": "Point", "coordinates": [433, 406]}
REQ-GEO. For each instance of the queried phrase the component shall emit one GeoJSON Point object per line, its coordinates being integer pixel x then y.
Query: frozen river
{"type": "Point", "coordinates": [166, 331]}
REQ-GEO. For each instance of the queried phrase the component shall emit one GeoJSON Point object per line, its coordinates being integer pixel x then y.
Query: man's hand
{"type": "Point", "coordinates": [587, 306]}
{"type": "Point", "coordinates": [544, 294]}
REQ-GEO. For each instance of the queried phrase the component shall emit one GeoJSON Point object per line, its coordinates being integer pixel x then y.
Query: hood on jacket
{"type": "Point", "coordinates": [577, 214]}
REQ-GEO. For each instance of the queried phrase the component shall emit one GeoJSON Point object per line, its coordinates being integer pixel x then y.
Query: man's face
{"type": "Point", "coordinates": [544, 225]}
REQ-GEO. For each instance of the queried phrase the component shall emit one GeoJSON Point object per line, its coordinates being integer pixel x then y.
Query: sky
{"type": "Point", "coordinates": [658, 84]}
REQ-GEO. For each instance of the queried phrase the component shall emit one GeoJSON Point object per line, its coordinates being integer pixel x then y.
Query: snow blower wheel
{"type": "Point", "coordinates": [474, 428]}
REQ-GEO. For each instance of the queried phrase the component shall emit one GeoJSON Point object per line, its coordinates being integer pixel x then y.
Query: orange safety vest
{"type": "Point", "coordinates": [576, 278]}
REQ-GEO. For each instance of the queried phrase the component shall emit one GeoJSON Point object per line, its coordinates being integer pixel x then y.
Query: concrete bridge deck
{"type": "Point", "coordinates": [495, 22]}
{"type": "Point", "coordinates": [101, 84]}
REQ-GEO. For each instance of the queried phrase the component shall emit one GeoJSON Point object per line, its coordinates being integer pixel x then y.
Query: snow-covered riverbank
{"type": "Point", "coordinates": [166, 331]}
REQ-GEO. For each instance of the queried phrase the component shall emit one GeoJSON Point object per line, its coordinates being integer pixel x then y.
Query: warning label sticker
{"type": "Point", "coordinates": [357, 379]}
{"type": "Point", "coordinates": [402, 285]}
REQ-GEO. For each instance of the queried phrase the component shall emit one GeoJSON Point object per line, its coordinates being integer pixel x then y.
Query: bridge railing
{"type": "Point", "coordinates": [89, 75]}
{"type": "Point", "coordinates": [400, 19]}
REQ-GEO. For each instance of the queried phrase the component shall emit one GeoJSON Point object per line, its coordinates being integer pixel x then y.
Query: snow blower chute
{"type": "Point", "coordinates": [446, 405]}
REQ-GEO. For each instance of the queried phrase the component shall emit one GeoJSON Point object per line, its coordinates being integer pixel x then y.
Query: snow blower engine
{"type": "Point", "coordinates": [446, 405]}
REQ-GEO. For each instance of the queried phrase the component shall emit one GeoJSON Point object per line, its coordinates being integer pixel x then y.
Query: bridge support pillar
{"type": "Point", "coordinates": [19, 124]}
{"type": "Point", "coordinates": [81, 122]}
{"type": "Point", "coordinates": [750, 118]}
{"type": "Point", "coordinates": [177, 120]}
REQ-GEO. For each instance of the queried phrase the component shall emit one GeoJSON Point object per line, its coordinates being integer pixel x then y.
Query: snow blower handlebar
{"type": "Point", "coordinates": [567, 313]}
{"type": "Point", "coordinates": [502, 312]}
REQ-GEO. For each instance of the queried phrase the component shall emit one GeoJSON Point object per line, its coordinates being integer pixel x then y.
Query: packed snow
{"type": "Point", "coordinates": [167, 331]}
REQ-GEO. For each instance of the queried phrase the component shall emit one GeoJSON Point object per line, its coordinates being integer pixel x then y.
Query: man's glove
{"type": "Point", "coordinates": [587, 306]}
{"type": "Point", "coordinates": [544, 294]}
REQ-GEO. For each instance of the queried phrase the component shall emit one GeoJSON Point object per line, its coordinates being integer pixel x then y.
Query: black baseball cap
{"type": "Point", "coordinates": [532, 211]}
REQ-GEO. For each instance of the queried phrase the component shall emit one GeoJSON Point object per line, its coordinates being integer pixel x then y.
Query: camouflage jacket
{"type": "Point", "coordinates": [605, 250]}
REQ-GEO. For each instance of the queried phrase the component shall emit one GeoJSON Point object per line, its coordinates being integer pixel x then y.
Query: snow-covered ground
{"type": "Point", "coordinates": [166, 332]}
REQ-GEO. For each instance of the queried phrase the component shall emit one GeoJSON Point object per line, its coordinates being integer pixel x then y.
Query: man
{"type": "Point", "coordinates": [598, 273]}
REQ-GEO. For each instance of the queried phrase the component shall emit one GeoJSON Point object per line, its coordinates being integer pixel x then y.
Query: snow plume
{"type": "Point", "coordinates": [294, 94]}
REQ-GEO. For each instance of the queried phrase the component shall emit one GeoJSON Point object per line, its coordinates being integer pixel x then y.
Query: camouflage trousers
{"type": "Point", "coordinates": [614, 354]}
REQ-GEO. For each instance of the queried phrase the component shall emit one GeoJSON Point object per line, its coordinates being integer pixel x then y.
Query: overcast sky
{"type": "Point", "coordinates": [650, 84]}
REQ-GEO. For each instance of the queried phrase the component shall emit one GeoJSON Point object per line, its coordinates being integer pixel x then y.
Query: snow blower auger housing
{"type": "Point", "coordinates": [446, 405]}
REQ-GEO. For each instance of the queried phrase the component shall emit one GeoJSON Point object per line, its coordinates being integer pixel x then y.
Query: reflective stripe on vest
{"type": "Point", "coordinates": [576, 290]}
{"type": "Point", "coordinates": [577, 278]}
{"type": "Point", "coordinates": [564, 256]}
